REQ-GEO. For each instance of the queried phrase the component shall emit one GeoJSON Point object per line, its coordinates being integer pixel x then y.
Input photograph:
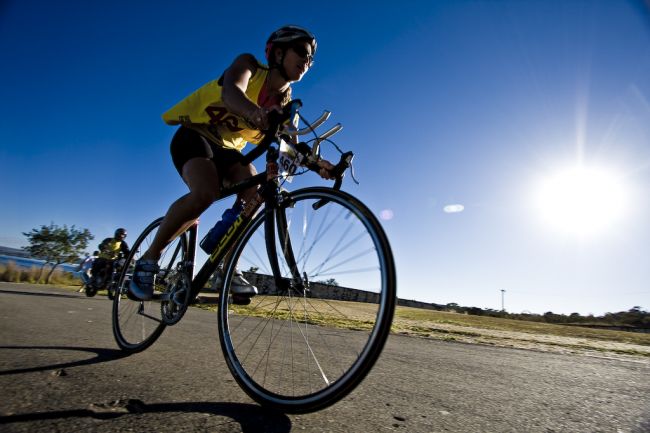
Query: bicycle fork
{"type": "Point", "coordinates": [276, 219]}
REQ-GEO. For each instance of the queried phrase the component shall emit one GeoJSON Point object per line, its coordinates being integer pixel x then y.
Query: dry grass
{"type": "Point", "coordinates": [405, 314]}
{"type": "Point", "coordinates": [12, 273]}
{"type": "Point", "coordinates": [520, 334]}
{"type": "Point", "coordinates": [462, 327]}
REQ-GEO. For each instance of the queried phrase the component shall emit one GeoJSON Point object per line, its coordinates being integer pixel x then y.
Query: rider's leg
{"type": "Point", "coordinates": [198, 162]}
{"type": "Point", "coordinates": [238, 172]}
{"type": "Point", "coordinates": [97, 264]}
{"type": "Point", "coordinates": [85, 279]}
{"type": "Point", "coordinates": [106, 273]}
{"type": "Point", "coordinates": [200, 175]}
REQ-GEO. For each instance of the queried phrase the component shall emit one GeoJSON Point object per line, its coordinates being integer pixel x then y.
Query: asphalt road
{"type": "Point", "coordinates": [60, 370]}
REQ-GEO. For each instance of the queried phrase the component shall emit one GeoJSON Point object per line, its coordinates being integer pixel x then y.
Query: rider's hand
{"type": "Point", "coordinates": [326, 169]}
{"type": "Point", "coordinates": [259, 117]}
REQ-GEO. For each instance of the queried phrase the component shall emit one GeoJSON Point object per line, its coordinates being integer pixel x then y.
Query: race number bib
{"type": "Point", "coordinates": [290, 160]}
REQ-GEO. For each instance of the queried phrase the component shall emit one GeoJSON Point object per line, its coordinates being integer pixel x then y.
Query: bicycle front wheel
{"type": "Point", "coordinates": [305, 341]}
{"type": "Point", "coordinates": [138, 324]}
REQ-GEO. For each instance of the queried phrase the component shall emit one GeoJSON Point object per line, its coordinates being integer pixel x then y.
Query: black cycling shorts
{"type": "Point", "coordinates": [188, 144]}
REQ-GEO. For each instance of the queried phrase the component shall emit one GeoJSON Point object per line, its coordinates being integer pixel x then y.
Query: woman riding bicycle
{"type": "Point", "coordinates": [216, 122]}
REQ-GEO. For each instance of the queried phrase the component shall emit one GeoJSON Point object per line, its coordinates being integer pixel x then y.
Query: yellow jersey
{"type": "Point", "coordinates": [204, 111]}
{"type": "Point", "coordinates": [110, 248]}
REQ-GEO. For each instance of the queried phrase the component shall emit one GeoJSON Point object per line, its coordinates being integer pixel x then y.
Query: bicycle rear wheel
{"type": "Point", "coordinates": [138, 324]}
{"type": "Point", "coordinates": [305, 345]}
{"type": "Point", "coordinates": [90, 290]}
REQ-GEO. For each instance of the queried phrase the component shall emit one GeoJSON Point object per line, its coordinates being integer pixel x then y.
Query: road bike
{"type": "Point", "coordinates": [323, 267]}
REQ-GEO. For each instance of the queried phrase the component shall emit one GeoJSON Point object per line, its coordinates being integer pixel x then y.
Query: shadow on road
{"type": "Point", "coordinates": [250, 417]}
{"type": "Point", "coordinates": [102, 355]}
{"type": "Point", "coordinates": [55, 295]}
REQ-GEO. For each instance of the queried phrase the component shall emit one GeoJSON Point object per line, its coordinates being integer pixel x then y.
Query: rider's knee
{"type": "Point", "coordinates": [250, 169]}
{"type": "Point", "coordinates": [204, 198]}
{"type": "Point", "coordinates": [240, 172]}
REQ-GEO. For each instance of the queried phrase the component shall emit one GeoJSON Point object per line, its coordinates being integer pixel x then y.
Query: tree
{"type": "Point", "coordinates": [330, 282]}
{"type": "Point", "coordinates": [575, 317]}
{"type": "Point", "coordinates": [56, 245]}
{"type": "Point", "coordinates": [475, 311]}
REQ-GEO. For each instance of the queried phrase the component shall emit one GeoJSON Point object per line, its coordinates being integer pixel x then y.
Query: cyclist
{"type": "Point", "coordinates": [110, 249]}
{"type": "Point", "coordinates": [85, 267]}
{"type": "Point", "coordinates": [215, 122]}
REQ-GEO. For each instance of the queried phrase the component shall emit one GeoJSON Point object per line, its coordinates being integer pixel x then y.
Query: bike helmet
{"type": "Point", "coordinates": [285, 36]}
{"type": "Point", "coordinates": [120, 232]}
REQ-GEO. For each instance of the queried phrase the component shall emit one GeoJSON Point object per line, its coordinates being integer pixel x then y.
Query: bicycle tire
{"type": "Point", "coordinates": [138, 324]}
{"type": "Point", "coordinates": [90, 291]}
{"type": "Point", "coordinates": [336, 341]}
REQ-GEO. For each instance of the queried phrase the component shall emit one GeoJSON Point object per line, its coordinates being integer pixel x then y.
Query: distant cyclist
{"type": "Point", "coordinates": [110, 249]}
{"type": "Point", "coordinates": [85, 268]}
{"type": "Point", "coordinates": [215, 122]}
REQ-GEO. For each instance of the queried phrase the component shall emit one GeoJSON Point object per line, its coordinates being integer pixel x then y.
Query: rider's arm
{"type": "Point", "coordinates": [124, 248]}
{"type": "Point", "coordinates": [104, 243]}
{"type": "Point", "coordinates": [233, 93]}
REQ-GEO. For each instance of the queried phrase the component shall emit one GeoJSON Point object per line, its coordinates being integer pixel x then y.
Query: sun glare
{"type": "Point", "coordinates": [581, 200]}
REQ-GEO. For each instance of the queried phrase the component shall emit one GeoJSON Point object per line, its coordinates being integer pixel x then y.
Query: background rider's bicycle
{"type": "Point", "coordinates": [324, 270]}
{"type": "Point", "coordinates": [106, 278]}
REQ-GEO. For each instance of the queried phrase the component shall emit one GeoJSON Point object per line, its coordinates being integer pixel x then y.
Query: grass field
{"type": "Point", "coordinates": [478, 329]}
{"type": "Point", "coordinates": [520, 334]}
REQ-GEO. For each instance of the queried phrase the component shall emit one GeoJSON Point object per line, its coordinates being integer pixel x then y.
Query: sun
{"type": "Point", "coordinates": [581, 200]}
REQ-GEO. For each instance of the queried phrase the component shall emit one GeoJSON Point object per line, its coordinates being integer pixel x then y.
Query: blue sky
{"type": "Point", "coordinates": [472, 103]}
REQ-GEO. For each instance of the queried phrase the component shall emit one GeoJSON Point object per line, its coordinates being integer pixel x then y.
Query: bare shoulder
{"type": "Point", "coordinates": [245, 61]}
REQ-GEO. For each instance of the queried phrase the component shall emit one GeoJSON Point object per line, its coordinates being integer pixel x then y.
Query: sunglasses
{"type": "Point", "coordinates": [304, 53]}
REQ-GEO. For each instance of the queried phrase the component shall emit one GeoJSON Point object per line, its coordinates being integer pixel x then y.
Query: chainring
{"type": "Point", "coordinates": [177, 299]}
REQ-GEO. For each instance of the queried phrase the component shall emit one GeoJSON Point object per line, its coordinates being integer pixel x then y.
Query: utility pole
{"type": "Point", "coordinates": [503, 308]}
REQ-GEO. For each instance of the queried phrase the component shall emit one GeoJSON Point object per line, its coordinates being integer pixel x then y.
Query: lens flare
{"type": "Point", "coordinates": [386, 214]}
{"type": "Point", "coordinates": [453, 208]}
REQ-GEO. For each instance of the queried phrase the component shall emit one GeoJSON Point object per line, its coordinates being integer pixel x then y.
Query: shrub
{"type": "Point", "coordinates": [10, 272]}
{"type": "Point", "coordinates": [66, 278]}
{"type": "Point", "coordinates": [31, 275]}
{"type": "Point", "coordinates": [13, 273]}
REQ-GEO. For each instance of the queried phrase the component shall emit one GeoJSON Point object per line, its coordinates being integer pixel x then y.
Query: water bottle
{"type": "Point", "coordinates": [211, 239]}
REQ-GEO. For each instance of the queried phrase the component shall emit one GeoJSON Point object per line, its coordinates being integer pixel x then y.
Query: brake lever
{"type": "Point", "coordinates": [344, 164]}
{"type": "Point", "coordinates": [339, 173]}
